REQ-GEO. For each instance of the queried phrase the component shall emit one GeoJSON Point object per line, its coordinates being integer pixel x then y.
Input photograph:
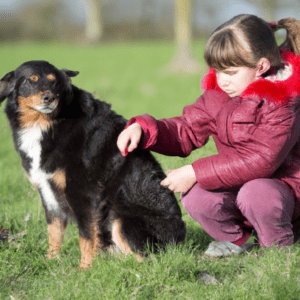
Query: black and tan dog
{"type": "Point", "coordinates": [67, 143]}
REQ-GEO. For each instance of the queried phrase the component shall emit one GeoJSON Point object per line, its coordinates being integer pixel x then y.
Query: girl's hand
{"type": "Point", "coordinates": [180, 180]}
{"type": "Point", "coordinates": [131, 134]}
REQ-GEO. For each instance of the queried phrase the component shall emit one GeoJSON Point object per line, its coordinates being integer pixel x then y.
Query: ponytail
{"type": "Point", "coordinates": [292, 41]}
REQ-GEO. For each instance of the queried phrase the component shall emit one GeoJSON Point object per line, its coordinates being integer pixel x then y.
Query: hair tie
{"type": "Point", "coordinates": [274, 26]}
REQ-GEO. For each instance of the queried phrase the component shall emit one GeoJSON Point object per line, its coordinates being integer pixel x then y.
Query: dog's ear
{"type": "Point", "coordinates": [7, 85]}
{"type": "Point", "coordinates": [70, 73]}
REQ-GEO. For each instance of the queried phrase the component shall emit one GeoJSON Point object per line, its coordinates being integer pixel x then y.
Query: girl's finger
{"type": "Point", "coordinates": [133, 145]}
{"type": "Point", "coordinates": [123, 150]}
{"type": "Point", "coordinates": [171, 188]}
{"type": "Point", "coordinates": [122, 142]}
{"type": "Point", "coordinates": [164, 182]}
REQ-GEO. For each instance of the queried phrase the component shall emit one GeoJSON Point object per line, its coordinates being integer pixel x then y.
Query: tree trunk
{"type": "Point", "coordinates": [268, 9]}
{"type": "Point", "coordinates": [93, 29]}
{"type": "Point", "coordinates": [184, 61]}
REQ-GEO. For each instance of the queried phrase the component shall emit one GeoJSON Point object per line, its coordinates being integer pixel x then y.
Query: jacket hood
{"type": "Point", "coordinates": [278, 92]}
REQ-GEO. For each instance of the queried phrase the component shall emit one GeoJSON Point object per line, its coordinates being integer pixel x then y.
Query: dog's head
{"type": "Point", "coordinates": [36, 86]}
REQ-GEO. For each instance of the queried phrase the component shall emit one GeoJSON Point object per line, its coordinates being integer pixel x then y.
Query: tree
{"type": "Point", "coordinates": [268, 9]}
{"type": "Point", "coordinates": [40, 20]}
{"type": "Point", "coordinates": [94, 28]}
{"type": "Point", "coordinates": [184, 61]}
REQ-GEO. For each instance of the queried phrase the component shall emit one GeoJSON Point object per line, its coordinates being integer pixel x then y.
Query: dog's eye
{"type": "Point", "coordinates": [34, 78]}
{"type": "Point", "coordinates": [51, 77]}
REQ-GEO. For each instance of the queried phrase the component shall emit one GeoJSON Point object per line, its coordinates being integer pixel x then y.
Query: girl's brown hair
{"type": "Point", "coordinates": [242, 41]}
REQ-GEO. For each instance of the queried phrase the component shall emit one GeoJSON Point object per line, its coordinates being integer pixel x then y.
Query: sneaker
{"type": "Point", "coordinates": [219, 249]}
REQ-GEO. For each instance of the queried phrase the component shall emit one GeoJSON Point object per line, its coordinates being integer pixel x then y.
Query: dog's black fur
{"type": "Point", "coordinates": [67, 142]}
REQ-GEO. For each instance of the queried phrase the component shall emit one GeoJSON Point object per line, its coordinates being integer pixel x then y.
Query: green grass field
{"type": "Point", "coordinates": [130, 77]}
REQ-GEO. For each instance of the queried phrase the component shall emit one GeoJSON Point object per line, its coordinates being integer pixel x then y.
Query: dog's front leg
{"type": "Point", "coordinates": [120, 241]}
{"type": "Point", "coordinates": [86, 248]}
{"type": "Point", "coordinates": [56, 230]}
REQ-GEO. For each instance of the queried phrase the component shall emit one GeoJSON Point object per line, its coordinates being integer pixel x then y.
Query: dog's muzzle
{"type": "Point", "coordinates": [49, 103]}
{"type": "Point", "coordinates": [47, 98]}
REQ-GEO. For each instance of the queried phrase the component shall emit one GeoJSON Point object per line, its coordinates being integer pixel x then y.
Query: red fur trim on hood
{"type": "Point", "coordinates": [277, 92]}
{"type": "Point", "coordinates": [209, 81]}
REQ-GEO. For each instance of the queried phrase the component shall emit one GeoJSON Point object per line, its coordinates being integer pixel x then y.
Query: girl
{"type": "Point", "coordinates": [250, 107]}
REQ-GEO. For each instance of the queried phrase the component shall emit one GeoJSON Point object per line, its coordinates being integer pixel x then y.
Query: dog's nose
{"type": "Point", "coordinates": [47, 98]}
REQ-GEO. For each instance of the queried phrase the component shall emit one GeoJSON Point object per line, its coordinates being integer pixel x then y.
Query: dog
{"type": "Point", "coordinates": [67, 143]}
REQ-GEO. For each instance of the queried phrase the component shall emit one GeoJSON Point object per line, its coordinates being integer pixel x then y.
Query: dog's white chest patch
{"type": "Point", "coordinates": [30, 142]}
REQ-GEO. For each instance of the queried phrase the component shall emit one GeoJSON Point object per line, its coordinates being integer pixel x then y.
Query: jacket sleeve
{"type": "Point", "coordinates": [260, 136]}
{"type": "Point", "coordinates": [177, 136]}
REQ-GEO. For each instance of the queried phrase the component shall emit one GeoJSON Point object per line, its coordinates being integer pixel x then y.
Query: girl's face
{"type": "Point", "coordinates": [235, 80]}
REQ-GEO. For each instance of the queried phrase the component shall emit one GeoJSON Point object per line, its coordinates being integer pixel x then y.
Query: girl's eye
{"type": "Point", "coordinates": [230, 73]}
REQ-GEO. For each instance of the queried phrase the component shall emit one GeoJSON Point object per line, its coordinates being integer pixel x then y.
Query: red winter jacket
{"type": "Point", "coordinates": [256, 134]}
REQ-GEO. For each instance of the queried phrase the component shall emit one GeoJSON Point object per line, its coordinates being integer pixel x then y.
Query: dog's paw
{"type": "Point", "coordinates": [83, 266]}
{"type": "Point", "coordinates": [53, 254]}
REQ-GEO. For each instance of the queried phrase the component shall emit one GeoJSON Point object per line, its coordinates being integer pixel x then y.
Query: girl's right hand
{"type": "Point", "coordinates": [131, 134]}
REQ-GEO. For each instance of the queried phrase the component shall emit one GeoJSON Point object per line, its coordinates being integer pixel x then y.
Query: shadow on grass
{"type": "Point", "coordinates": [196, 237]}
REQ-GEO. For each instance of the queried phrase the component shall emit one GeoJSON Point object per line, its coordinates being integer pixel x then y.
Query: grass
{"type": "Point", "coordinates": [130, 77]}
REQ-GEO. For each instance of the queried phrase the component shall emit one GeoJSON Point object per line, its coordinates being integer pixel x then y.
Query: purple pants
{"type": "Point", "coordinates": [267, 204]}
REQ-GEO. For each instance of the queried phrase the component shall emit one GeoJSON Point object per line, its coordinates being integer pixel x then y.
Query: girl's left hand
{"type": "Point", "coordinates": [180, 180]}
